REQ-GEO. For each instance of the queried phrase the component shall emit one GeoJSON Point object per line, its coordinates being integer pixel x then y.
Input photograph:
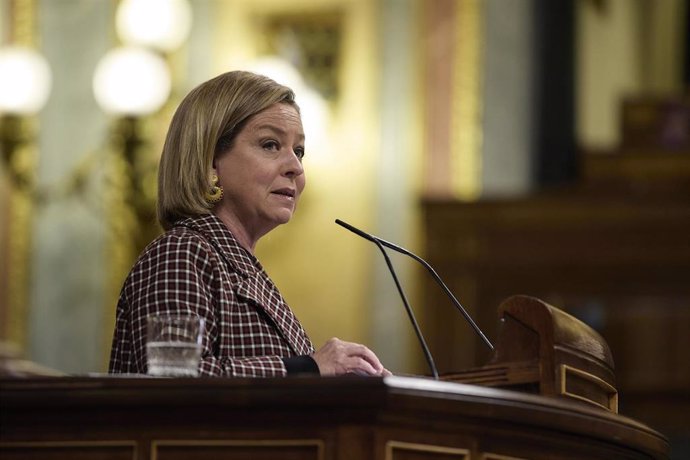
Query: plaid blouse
{"type": "Point", "coordinates": [199, 268]}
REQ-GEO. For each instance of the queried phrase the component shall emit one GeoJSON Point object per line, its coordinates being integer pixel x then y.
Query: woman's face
{"type": "Point", "coordinates": [262, 174]}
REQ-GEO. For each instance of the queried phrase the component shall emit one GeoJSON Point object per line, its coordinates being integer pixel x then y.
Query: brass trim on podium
{"type": "Point", "coordinates": [318, 443]}
{"type": "Point", "coordinates": [490, 456]}
{"type": "Point", "coordinates": [68, 444]}
{"type": "Point", "coordinates": [430, 448]}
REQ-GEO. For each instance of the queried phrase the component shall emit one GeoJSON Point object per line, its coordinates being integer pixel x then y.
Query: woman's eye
{"type": "Point", "coordinates": [271, 145]}
{"type": "Point", "coordinates": [299, 152]}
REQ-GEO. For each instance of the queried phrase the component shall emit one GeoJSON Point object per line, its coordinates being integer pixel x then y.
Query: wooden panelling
{"type": "Point", "coordinates": [613, 251]}
{"type": "Point", "coordinates": [304, 418]}
{"type": "Point", "coordinates": [490, 456]}
{"type": "Point", "coordinates": [75, 450]}
{"type": "Point", "coordinates": [396, 450]}
{"type": "Point", "coordinates": [619, 264]}
{"type": "Point", "coordinates": [258, 449]}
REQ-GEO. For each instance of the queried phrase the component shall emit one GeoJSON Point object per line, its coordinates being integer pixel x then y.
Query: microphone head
{"type": "Point", "coordinates": [355, 230]}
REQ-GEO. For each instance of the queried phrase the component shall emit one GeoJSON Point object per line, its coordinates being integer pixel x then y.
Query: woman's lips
{"type": "Point", "coordinates": [285, 193]}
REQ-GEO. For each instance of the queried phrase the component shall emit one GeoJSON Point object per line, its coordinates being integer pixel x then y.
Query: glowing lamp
{"type": "Point", "coordinates": [25, 81]}
{"type": "Point", "coordinates": [160, 24]}
{"type": "Point", "coordinates": [131, 81]}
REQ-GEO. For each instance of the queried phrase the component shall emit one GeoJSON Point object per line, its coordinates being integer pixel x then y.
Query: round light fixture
{"type": "Point", "coordinates": [25, 81]}
{"type": "Point", "coordinates": [131, 81]}
{"type": "Point", "coordinates": [160, 24]}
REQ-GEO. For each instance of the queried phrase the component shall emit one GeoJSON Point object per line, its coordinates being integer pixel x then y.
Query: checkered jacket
{"type": "Point", "coordinates": [199, 268]}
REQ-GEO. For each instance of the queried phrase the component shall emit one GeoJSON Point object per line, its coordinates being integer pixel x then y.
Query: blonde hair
{"type": "Point", "coordinates": [205, 125]}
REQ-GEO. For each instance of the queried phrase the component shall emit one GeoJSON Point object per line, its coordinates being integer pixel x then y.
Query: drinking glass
{"type": "Point", "coordinates": [173, 345]}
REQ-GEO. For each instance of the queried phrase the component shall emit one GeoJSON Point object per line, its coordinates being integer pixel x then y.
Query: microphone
{"type": "Point", "coordinates": [379, 242]}
{"type": "Point", "coordinates": [410, 313]}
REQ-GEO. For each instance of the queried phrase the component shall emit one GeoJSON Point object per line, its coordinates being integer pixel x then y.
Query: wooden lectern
{"type": "Point", "coordinates": [541, 350]}
{"type": "Point", "coordinates": [305, 418]}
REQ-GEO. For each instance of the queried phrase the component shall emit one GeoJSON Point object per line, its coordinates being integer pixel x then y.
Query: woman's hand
{"type": "Point", "coordinates": [337, 357]}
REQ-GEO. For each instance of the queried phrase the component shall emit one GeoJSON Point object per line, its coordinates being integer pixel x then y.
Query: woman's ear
{"type": "Point", "coordinates": [214, 165]}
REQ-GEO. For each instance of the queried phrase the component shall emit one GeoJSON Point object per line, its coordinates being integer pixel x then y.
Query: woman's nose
{"type": "Point", "coordinates": [293, 165]}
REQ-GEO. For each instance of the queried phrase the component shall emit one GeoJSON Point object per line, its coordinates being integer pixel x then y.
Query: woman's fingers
{"type": "Point", "coordinates": [338, 357]}
{"type": "Point", "coordinates": [370, 357]}
{"type": "Point", "coordinates": [362, 366]}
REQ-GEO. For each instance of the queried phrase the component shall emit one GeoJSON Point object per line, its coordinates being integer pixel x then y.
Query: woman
{"type": "Point", "coordinates": [230, 172]}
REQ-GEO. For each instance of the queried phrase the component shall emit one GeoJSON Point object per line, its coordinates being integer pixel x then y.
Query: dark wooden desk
{"type": "Point", "coordinates": [304, 418]}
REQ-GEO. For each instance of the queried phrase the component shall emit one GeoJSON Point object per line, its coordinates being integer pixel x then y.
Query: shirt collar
{"type": "Point", "coordinates": [222, 238]}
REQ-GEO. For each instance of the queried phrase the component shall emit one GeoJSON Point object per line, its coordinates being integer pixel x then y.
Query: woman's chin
{"type": "Point", "coordinates": [282, 217]}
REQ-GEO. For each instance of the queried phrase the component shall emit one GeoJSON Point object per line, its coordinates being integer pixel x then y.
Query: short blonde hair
{"type": "Point", "coordinates": [205, 125]}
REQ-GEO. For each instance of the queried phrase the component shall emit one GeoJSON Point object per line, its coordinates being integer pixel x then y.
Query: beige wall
{"type": "Point", "coordinates": [624, 48]}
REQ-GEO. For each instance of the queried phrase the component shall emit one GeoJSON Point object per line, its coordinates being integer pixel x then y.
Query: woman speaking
{"type": "Point", "coordinates": [230, 172]}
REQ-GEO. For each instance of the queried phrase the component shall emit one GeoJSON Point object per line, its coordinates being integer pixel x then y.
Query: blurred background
{"type": "Point", "coordinates": [523, 147]}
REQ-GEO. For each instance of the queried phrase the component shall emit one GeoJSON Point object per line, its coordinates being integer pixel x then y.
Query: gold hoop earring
{"type": "Point", "coordinates": [215, 194]}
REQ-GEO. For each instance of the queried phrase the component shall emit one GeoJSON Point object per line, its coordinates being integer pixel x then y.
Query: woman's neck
{"type": "Point", "coordinates": [241, 232]}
